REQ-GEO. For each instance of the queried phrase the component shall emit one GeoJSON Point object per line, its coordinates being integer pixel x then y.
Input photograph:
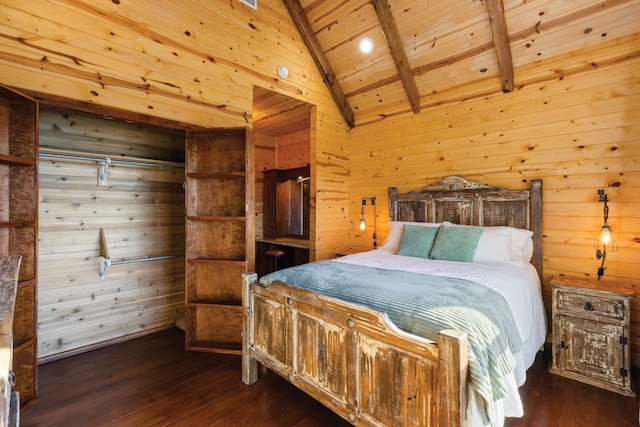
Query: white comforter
{"type": "Point", "coordinates": [518, 283]}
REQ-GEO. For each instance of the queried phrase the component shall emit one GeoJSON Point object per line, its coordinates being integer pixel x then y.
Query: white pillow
{"type": "Point", "coordinates": [503, 244]}
{"type": "Point", "coordinates": [395, 233]}
{"type": "Point", "coordinates": [522, 241]}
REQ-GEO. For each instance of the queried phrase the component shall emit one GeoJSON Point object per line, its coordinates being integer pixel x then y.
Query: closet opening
{"type": "Point", "coordinates": [115, 186]}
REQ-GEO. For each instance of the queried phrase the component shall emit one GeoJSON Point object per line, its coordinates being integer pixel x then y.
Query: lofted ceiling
{"type": "Point", "coordinates": [428, 52]}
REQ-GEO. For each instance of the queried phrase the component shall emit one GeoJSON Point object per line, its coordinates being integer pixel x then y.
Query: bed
{"type": "Point", "coordinates": [345, 340]}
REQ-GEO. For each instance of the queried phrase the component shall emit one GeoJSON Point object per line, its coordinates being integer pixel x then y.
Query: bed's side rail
{"type": "Point", "coordinates": [353, 360]}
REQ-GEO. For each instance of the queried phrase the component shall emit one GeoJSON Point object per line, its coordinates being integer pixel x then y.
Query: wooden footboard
{"type": "Point", "coordinates": [353, 359]}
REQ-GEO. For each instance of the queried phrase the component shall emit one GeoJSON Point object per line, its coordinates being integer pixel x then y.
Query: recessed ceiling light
{"type": "Point", "coordinates": [366, 45]}
{"type": "Point", "coordinates": [283, 71]}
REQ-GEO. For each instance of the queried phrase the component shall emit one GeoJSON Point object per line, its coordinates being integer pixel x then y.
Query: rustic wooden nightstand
{"type": "Point", "coordinates": [591, 332]}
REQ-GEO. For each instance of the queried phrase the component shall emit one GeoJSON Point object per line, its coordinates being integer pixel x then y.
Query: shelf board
{"type": "Point", "coordinates": [27, 283]}
{"type": "Point", "coordinates": [19, 346]}
{"type": "Point", "coordinates": [215, 347]}
{"type": "Point", "coordinates": [13, 160]}
{"type": "Point", "coordinates": [13, 224]}
{"type": "Point", "coordinates": [215, 218]}
{"type": "Point", "coordinates": [239, 262]}
{"type": "Point", "coordinates": [216, 303]}
{"type": "Point", "coordinates": [216, 174]}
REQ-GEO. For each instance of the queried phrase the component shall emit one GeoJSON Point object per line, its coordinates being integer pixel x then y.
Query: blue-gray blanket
{"type": "Point", "coordinates": [423, 305]}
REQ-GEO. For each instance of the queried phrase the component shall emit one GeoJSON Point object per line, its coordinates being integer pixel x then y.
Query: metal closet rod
{"type": "Point", "coordinates": [105, 259]}
{"type": "Point", "coordinates": [97, 159]}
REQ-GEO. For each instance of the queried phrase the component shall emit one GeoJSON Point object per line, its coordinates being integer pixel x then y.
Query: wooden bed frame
{"type": "Point", "coordinates": [354, 360]}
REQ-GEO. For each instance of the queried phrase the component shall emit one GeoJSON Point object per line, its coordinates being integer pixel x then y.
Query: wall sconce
{"type": "Point", "coordinates": [363, 224]}
{"type": "Point", "coordinates": [605, 240]}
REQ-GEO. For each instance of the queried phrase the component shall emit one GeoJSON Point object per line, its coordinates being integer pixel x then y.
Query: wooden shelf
{"type": "Point", "coordinates": [216, 174]}
{"type": "Point", "coordinates": [216, 347]}
{"type": "Point", "coordinates": [15, 224]}
{"type": "Point", "coordinates": [19, 180]}
{"type": "Point", "coordinates": [220, 236]}
{"type": "Point", "coordinates": [213, 303]}
{"type": "Point", "coordinates": [239, 262]}
{"type": "Point", "coordinates": [13, 160]}
{"type": "Point", "coordinates": [216, 218]}
{"type": "Point", "coordinates": [21, 345]}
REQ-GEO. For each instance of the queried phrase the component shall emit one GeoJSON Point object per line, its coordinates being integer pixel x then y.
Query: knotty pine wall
{"type": "Point", "coordinates": [141, 210]}
{"type": "Point", "coordinates": [265, 160]}
{"type": "Point", "coordinates": [293, 150]}
{"type": "Point", "coordinates": [578, 131]}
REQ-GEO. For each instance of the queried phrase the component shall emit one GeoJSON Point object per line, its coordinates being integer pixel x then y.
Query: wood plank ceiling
{"type": "Point", "coordinates": [382, 25]}
{"type": "Point", "coordinates": [423, 48]}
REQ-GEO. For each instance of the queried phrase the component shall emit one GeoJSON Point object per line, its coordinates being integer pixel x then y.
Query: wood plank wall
{"type": "Point", "coordinates": [195, 62]}
{"type": "Point", "coordinates": [265, 160]}
{"type": "Point", "coordinates": [293, 150]}
{"type": "Point", "coordinates": [579, 131]}
{"type": "Point", "coordinates": [141, 210]}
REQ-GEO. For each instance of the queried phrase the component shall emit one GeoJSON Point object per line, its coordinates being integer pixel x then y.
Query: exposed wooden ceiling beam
{"type": "Point", "coordinates": [306, 31]}
{"type": "Point", "coordinates": [397, 52]}
{"type": "Point", "coordinates": [501, 42]}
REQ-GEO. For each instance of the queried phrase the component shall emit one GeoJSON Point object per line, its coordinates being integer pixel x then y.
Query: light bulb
{"type": "Point", "coordinates": [366, 45]}
{"type": "Point", "coordinates": [363, 225]}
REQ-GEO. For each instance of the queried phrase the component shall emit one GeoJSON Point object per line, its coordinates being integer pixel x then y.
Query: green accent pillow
{"type": "Point", "coordinates": [456, 243]}
{"type": "Point", "coordinates": [417, 240]}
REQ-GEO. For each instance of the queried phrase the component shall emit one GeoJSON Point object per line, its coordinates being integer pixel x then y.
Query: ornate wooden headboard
{"type": "Point", "coordinates": [457, 200]}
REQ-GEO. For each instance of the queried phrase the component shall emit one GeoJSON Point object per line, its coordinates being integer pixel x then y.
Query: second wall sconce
{"type": "Point", "coordinates": [363, 224]}
{"type": "Point", "coordinates": [605, 240]}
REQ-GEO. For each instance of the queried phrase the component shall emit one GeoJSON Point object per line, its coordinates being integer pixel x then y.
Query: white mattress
{"type": "Point", "coordinates": [518, 283]}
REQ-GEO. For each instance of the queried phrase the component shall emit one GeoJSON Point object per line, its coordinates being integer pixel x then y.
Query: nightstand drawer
{"type": "Point", "coordinates": [590, 304]}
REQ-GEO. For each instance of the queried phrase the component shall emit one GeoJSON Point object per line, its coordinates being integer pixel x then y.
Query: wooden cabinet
{"type": "Point", "coordinates": [19, 228]}
{"type": "Point", "coordinates": [591, 332]}
{"type": "Point", "coordinates": [220, 236]}
{"type": "Point", "coordinates": [286, 202]}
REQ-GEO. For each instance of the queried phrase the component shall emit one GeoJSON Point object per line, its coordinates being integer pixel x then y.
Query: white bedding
{"type": "Point", "coordinates": [517, 282]}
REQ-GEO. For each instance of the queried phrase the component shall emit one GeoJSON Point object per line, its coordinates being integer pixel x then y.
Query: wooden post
{"type": "Point", "coordinates": [249, 363]}
{"type": "Point", "coordinates": [536, 223]}
{"type": "Point", "coordinates": [453, 347]}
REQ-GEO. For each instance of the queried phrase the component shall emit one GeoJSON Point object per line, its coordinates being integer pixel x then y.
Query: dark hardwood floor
{"type": "Point", "coordinates": [152, 381]}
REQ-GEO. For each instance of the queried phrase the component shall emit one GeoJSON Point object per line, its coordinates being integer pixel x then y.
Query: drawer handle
{"type": "Point", "coordinates": [588, 306]}
{"type": "Point", "coordinates": [12, 378]}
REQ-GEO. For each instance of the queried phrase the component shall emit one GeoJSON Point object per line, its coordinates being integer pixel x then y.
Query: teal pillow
{"type": "Point", "coordinates": [417, 240]}
{"type": "Point", "coordinates": [456, 243]}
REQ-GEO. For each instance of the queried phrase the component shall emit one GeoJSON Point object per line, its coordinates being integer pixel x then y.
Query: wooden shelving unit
{"type": "Point", "coordinates": [220, 236]}
{"type": "Point", "coordinates": [19, 228]}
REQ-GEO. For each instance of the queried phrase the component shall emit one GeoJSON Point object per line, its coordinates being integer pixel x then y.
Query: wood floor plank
{"type": "Point", "coordinates": [152, 382]}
